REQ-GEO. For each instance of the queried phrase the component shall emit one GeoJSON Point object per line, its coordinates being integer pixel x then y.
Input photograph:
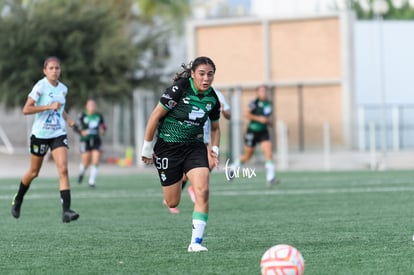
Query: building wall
{"type": "Point", "coordinates": [294, 56]}
{"type": "Point", "coordinates": [305, 49]}
{"type": "Point", "coordinates": [236, 50]}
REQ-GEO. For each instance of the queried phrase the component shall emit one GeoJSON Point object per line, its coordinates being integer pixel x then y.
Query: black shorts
{"type": "Point", "coordinates": [90, 144]}
{"type": "Point", "coordinates": [251, 138]}
{"type": "Point", "coordinates": [39, 146]}
{"type": "Point", "coordinates": [172, 159]}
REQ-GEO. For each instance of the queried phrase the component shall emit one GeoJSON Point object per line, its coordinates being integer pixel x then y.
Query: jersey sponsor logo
{"type": "Point", "coordinates": [196, 114]}
{"type": "Point", "coordinates": [52, 117]}
{"type": "Point", "coordinates": [174, 88]}
{"type": "Point", "coordinates": [52, 121]}
{"type": "Point", "coordinates": [167, 96]}
{"type": "Point", "coordinates": [190, 122]}
{"type": "Point", "coordinates": [186, 100]}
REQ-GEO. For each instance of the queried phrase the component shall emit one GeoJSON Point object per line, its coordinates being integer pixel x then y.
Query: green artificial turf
{"type": "Point", "coordinates": [341, 222]}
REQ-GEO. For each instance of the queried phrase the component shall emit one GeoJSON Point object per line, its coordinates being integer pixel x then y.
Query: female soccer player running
{"type": "Point", "coordinates": [180, 116]}
{"type": "Point", "coordinates": [259, 114]}
{"type": "Point", "coordinates": [90, 125]}
{"type": "Point", "coordinates": [47, 100]}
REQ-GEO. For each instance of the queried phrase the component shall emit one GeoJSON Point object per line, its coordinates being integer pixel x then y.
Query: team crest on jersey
{"type": "Point", "coordinates": [208, 106]}
{"type": "Point", "coordinates": [186, 100]}
{"type": "Point", "coordinates": [51, 94]}
{"type": "Point", "coordinates": [171, 104]}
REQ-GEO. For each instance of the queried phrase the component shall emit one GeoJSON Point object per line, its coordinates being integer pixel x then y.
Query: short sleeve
{"type": "Point", "coordinates": [222, 100]}
{"type": "Point", "coordinates": [36, 91]}
{"type": "Point", "coordinates": [172, 95]}
{"type": "Point", "coordinates": [215, 112]}
{"type": "Point", "coordinates": [253, 106]}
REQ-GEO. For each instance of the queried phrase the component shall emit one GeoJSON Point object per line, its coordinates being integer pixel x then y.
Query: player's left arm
{"type": "Point", "coordinates": [215, 132]}
{"type": "Point", "coordinates": [269, 115]}
{"type": "Point", "coordinates": [215, 141]}
{"type": "Point", "coordinates": [102, 126]}
{"type": "Point", "coordinates": [224, 106]}
{"type": "Point", "coordinates": [226, 113]}
{"type": "Point", "coordinates": [68, 120]}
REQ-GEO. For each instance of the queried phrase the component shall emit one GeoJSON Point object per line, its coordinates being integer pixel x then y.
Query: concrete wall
{"type": "Point", "coordinates": [301, 58]}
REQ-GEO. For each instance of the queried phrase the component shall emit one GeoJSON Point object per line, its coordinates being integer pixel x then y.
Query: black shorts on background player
{"type": "Point", "coordinates": [251, 138]}
{"type": "Point", "coordinates": [93, 143]}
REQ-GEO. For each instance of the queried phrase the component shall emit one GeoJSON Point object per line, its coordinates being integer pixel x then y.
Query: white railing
{"type": "Point", "coordinates": [7, 146]}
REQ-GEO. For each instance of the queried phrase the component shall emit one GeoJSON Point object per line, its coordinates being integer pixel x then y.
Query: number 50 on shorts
{"type": "Point", "coordinates": [161, 163]}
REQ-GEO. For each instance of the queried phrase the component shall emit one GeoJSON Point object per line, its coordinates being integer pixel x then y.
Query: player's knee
{"type": "Point", "coordinates": [171, 203]}
{"type": "Point", "coordinates": [202, 193]}
{"type": "Point", "coordinates": [62, 170]}
{"type": "Point", "coordinates": [34, 174]}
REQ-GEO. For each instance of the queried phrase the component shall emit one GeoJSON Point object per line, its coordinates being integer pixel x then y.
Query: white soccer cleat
{"type": "Point", "coordinates": [196, 247]}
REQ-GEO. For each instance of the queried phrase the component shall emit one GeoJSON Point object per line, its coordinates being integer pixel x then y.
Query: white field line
{"type": "Point", "coordinates": [128, 194]}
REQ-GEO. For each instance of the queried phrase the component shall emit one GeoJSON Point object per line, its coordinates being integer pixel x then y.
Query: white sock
{"type": "Point", "coordinates": [198, 231]}
{"type": "Point", "coordinates": [81, 169]}
{"type": "Point", "coordinates": [94, 173]}
{"type": "Point", "coordinates": [270, 170]}
{"type": "Point", "coordinates": [235, 164]}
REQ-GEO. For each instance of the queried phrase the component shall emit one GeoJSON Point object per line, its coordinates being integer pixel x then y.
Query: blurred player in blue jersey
{"type": "Point", "coordinates": [47, 101]}
{"type": "Point", "coordinates": [90, 125]}
{"type": "Point", "coordinates": [179, 117]}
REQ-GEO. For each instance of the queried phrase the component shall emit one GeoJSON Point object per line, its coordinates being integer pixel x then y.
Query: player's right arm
{"type": "Point", "coordinates": [157, 114]}
{"type": "Point", "coordinates": [250, 116]}
{"type": "Point", "coordinates": [30, 108]}
{"type": "Point", "coordinates": [168, 101]}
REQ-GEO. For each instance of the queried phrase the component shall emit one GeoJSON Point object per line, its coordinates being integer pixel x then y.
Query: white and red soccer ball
{"type": "Point", "coordinates": [282, 259]}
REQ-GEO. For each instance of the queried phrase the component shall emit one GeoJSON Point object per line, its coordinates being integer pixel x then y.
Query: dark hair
{"type": "Point", "coordinates": [50, 58]}
{"type": "Point", "coordinates": [262, 86]}
{"type": "Point", "coordinates": [192, 66]}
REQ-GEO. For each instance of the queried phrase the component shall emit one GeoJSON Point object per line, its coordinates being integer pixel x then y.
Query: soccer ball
{"type": "Point", "coordinates": [282, 259]}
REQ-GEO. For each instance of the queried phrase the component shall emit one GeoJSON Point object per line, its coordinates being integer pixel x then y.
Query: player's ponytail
{"type": "Point", "coordinates": [186, 73]}
{"type": "Point", "coordinates": [192, 66]}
